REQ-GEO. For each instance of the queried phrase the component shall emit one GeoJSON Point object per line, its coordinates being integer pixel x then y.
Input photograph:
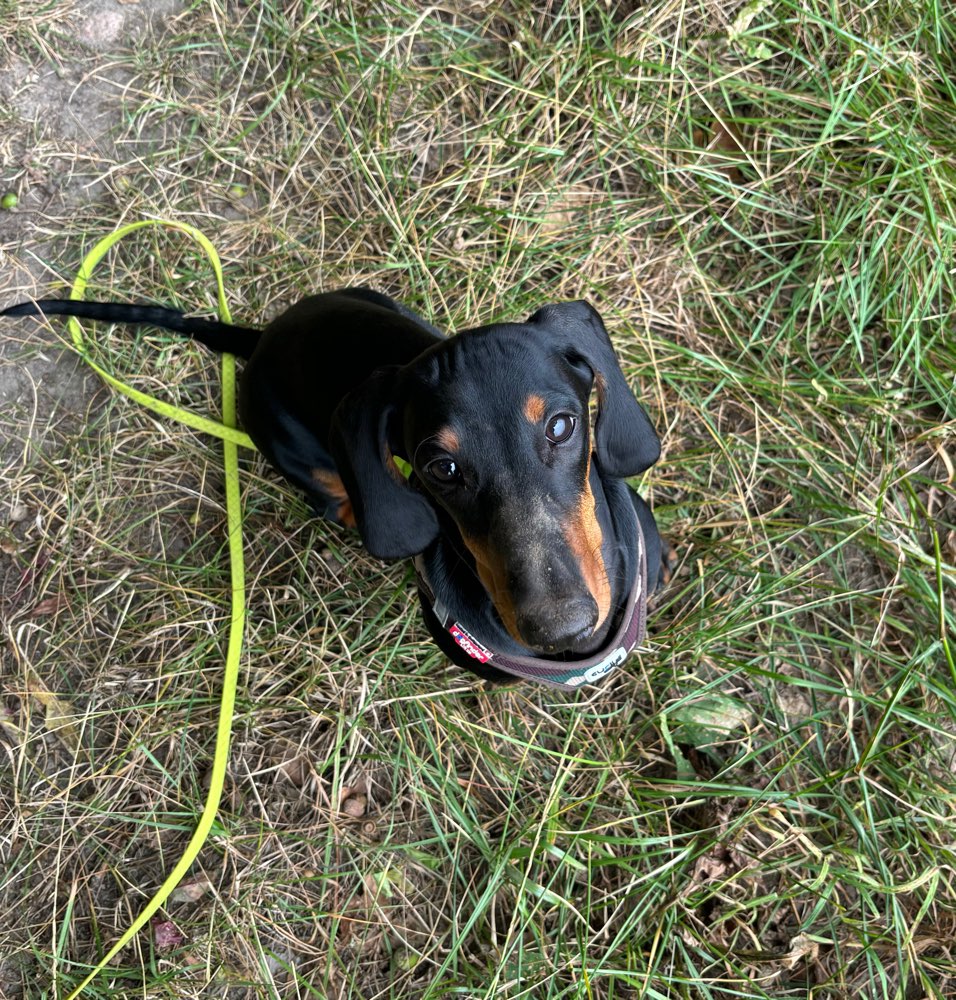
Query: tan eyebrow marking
{"type": "Point", "coordinates": [534, 409]}
{"type": "Point", "coordinates": [448, 439]}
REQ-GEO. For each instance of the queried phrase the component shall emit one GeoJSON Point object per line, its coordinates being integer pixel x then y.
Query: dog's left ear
{"type": "Point", "coordinates": [394, 520]}
{"type": "Point", "coordinates": [625, 442]}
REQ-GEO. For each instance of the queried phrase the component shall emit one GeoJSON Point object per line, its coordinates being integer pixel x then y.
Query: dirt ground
{"type": "Point", "coordinates": [370, 780]}
{"type": "Point", "coordinates": [68, 107]}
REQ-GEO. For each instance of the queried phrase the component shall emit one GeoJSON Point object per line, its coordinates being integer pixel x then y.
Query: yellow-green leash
{"type": "Point", "coordinates": [231, 439]}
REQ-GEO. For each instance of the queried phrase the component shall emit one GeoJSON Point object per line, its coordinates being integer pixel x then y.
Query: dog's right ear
{"type": "Point", "coordinates": [394, 520]}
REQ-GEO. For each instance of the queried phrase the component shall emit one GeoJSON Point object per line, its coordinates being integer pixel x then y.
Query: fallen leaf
{"type": "Point", "coordinates": [737, 34]}
{"type": "Point", "coordinates": [709, 719]}
{"type": "Point", "coordinates": [564, 211]}
{"type": "Point", "coordinates": [50, 606]}
{"type": "Point", "coordinates": [716, 865]}
{"type": "Point", "coordinates": [59, 712]}
{"type": "Point", "coordinates": [7, 723]}
{"type": "Point", "coordinates": [296, 770]}
{"type": "Point", "coordinates": [190, 892]}
{"type": "Point", "coordinates": [722, 148]}
{"type": "Point", "coordinates": [949, 545]}
{"type": "Point", "coordinates": [801, 946]}
{"type": "Point", "coordinates": [387, 882]}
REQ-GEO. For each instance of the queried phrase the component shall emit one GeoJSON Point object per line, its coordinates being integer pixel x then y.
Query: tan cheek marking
{"type": "Point", "coordinates": [331, 483]}
{"type": "Point", "coordinates": [494, 577]}
{"type": "Point", "coordinates": [534, 409]}
{"type": "Point", "coordinates": [448, 439]}
{"type": "Point", "coordinates": [584, 538]}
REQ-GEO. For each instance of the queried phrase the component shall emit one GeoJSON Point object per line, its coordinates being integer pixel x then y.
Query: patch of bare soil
{"type": "Point", "coordinates": [64, 96]}
{"type": "Point", "coordinates": [62, 99]}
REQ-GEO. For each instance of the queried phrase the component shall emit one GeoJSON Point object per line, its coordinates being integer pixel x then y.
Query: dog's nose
{"type": "Point", "coordinates": [557, 626]}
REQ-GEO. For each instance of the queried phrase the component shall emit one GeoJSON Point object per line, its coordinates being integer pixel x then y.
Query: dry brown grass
{"type": "Point", "coordinates": [761, 805]}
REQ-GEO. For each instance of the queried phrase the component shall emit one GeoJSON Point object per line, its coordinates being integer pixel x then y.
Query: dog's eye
{"type": "Point", "coordinates": [560, 428]}
{"type": "Point", "coordinates": [444, 470]}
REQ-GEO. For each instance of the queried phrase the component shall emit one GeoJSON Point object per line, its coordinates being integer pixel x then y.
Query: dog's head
{"type": "Point", "coordinates": [495, 425]}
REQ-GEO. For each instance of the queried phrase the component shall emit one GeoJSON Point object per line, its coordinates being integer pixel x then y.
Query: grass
{"type": "Point", "coordinates": [759, 200]}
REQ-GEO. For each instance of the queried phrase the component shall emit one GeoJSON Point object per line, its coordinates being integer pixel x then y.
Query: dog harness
{"type": "Point", "coordinates": [566, 674]}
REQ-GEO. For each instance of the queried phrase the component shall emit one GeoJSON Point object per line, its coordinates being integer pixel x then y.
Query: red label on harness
{"type": "Point", "coordinates": [469, 643]}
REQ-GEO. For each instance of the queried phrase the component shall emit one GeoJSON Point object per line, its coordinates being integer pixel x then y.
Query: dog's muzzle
{"type": "Point", "coordinates": [567, 674]}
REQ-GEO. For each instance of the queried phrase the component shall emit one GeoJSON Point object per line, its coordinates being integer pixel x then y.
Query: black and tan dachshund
{"type": "Point", "coordinates": [529, 543]}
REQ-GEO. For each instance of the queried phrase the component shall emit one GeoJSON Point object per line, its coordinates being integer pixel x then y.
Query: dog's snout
{"type": "Point", "coordinates": [557, 626]}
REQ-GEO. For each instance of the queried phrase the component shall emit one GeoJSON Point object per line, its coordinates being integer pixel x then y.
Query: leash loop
{"type": "Point", "coordinates": [232, 439]}
{"type": "Point", "coordinates": [221, 430]}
